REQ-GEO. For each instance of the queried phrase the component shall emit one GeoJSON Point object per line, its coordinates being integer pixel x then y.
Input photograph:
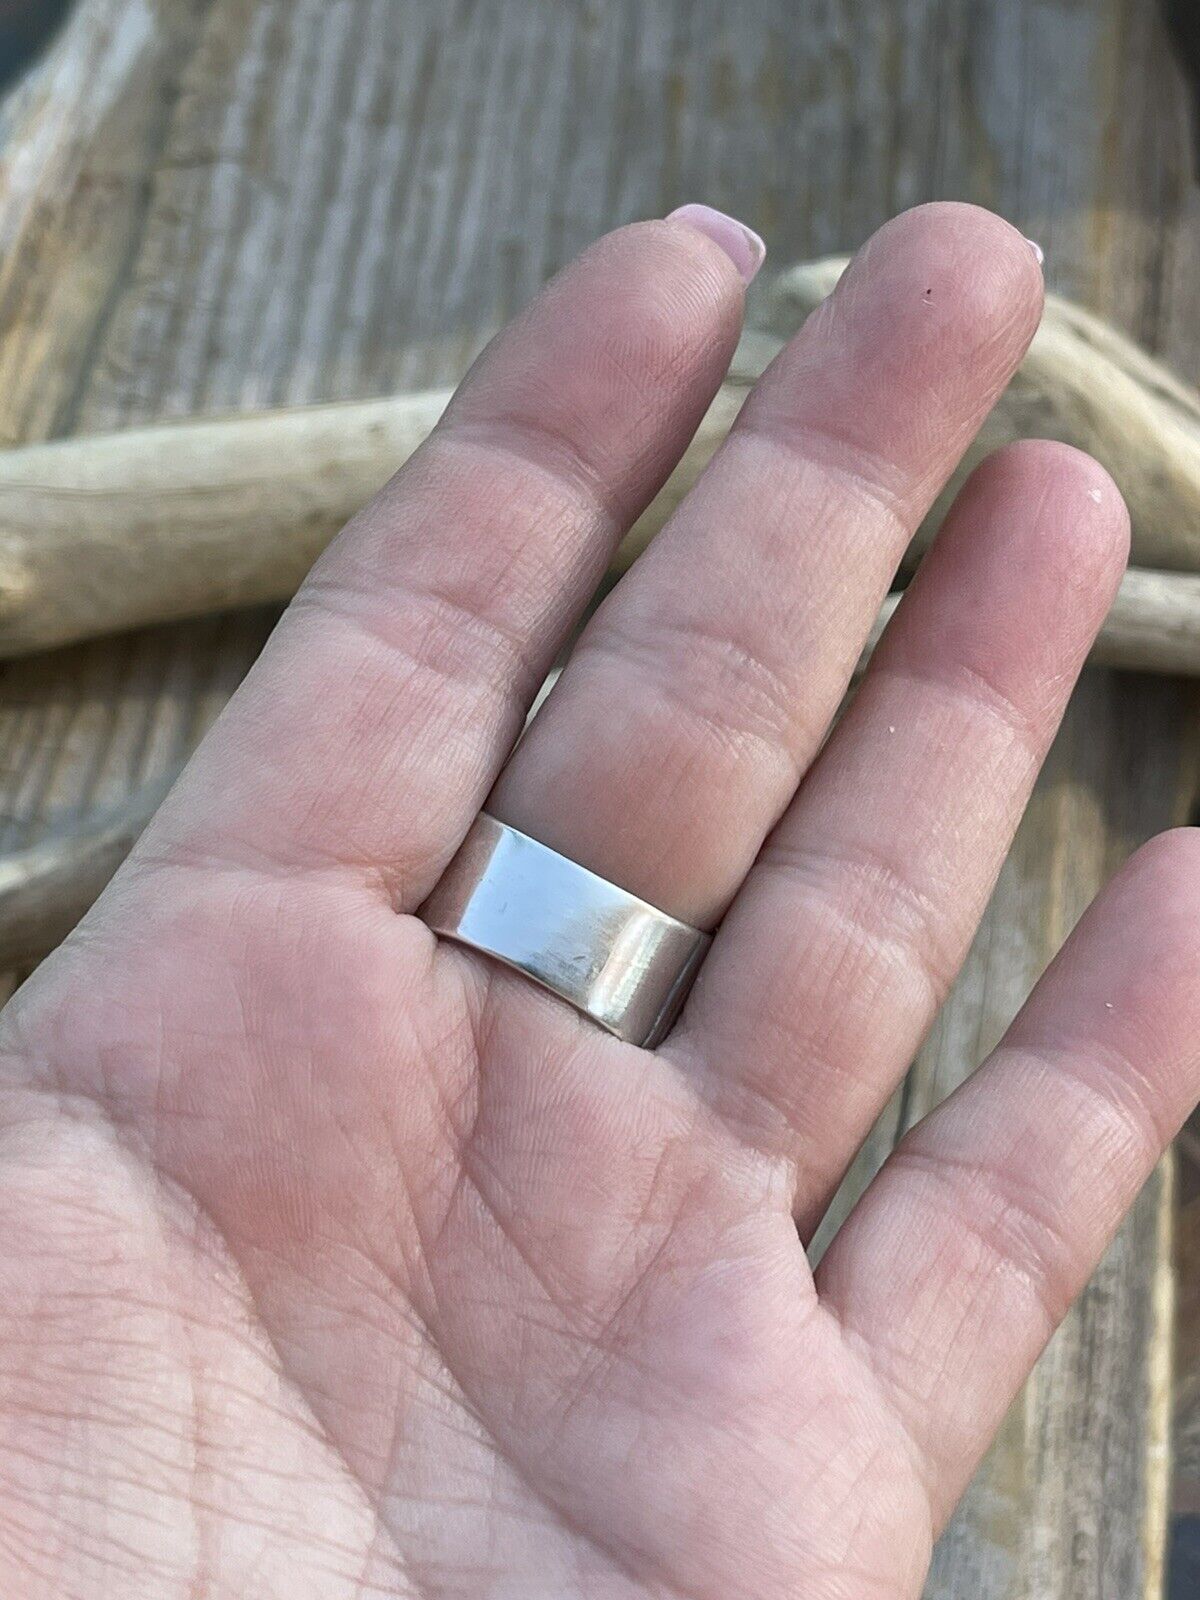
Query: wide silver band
{"type": "Point", "coordinates": [624, 963]}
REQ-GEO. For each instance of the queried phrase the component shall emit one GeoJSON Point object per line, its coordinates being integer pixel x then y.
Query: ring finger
{"type": "Point", "coordinates": [703, 687]}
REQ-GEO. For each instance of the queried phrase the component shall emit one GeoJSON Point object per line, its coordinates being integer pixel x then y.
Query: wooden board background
{"type": "Point", "coordinates": [216, 204]}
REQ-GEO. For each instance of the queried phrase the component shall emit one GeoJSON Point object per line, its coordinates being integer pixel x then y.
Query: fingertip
{"type": "Point", "coordinates": [978, 235]}
{"type": "Point", "coordinates": [1082, 523]}
{"type": "Point", "coordinates": [667, 287]}
{"type": "Point", "coordinates": [1132, 967]}
{"type": "Point", "coordinates": [668, 251]}
{"type": "Point", "coordinates": [905, 358]}
{"type": "Point", "coordinates": [970, 275]}
{"type": "Point", "coordinates": [1166, 870]}
{"type": "Point", "coordinates": [626, 346]}
{"type": "Point", "coordinates": [1022, 574]}
{"type": "Point", "coordinates": [1097, 524]}
{"type": "Point", "coordinates": [737, 241]}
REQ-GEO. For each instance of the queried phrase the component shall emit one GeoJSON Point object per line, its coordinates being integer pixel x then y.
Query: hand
{"type": "Point", "coordinates": [338, 1261]}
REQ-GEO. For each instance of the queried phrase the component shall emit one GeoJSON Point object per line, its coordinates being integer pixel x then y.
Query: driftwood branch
{"type": "Point", "coordinates": [110, 532]}
{"type": "Point", "coordinates": [1154, 625]}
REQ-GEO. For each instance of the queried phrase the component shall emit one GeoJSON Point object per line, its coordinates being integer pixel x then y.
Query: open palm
{"type": "Point", "coordinates": [336, 1261]}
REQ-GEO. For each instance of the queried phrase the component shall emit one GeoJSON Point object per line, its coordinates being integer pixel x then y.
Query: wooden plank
{"type": "Point", "coordinates": [214, 204]}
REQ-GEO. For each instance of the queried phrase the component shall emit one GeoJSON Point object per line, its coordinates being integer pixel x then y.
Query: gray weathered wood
{"type": "Point", "coordinates": [224, 204]}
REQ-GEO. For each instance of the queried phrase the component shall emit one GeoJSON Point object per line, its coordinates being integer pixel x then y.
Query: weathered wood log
{"type": "Point", "coordinates": [110, 532]}
{"type": "Point", "coordinates": [153, 524]}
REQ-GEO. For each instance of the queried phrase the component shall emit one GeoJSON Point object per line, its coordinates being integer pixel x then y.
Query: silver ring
{"type": "Point", "coordinates": [622, 962]}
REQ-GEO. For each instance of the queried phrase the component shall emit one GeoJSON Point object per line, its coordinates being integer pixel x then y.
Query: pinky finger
{"type": "Point", "coordinates": [965, 1253]}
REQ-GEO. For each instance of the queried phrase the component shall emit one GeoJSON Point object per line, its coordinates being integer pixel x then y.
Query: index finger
{"type": "Point", "coordinates": [370, 731]}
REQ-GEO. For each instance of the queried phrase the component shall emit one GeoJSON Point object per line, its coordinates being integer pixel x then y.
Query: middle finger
{"type": "Point", "coordinates": [703, 687]}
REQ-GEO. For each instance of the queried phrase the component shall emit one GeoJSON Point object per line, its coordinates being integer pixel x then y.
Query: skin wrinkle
{"type": "Point", "coordinates": [982, 699]}
{"type": "Point", "coordinates": [864, 1354]}
{"type": "Point", "coordinates": [531, 539]}
{"type": "Point", "coordinates": [771, 1116]}
{"type": "Point", "coordinates": [539, 447]}
{"type": "Point", "coordinates": [201, 1472]}
{"type": "Point", "coordinates": [802, 449]}
{"type": "Point", "coordinates": [406, 883]}
{"type": "Point", "coordinates": [328, 1443]}
{"type": "Point", "coordinates": [607, 1344]}
{"type": "Point", "coordinates": [766, 705]}
{"type": "Point", "coordinates": [888, 911]}
{"type": "Point", "coordinates": [707, 1124]}
{"type": "Point", "coordinates": [940, 1461]}
{"type": "Point", "coordinates": [894, 890]}
{"type": "Point", "coordinates": [427, 635]}
{"type": "Point", "coordinates": [423, 1323]}
{"type": "Point", "coordinates": [740, 735]}
{"type": "Point", "coordinates": [170, 1191]}
{"type": "Point", "coordinates": [1020, 1238]}
{"type": "Point", "coordinates": [610, 1554]}
{"type": "Point", "coordinates": [735, 687]}
{"type": "Point", "coordinates": [536, 438]}
{"type": "Point", "coordinates": [473, 1173]}
{"type": "Point", "coordinates": [1123, 1090]}
{"type": "Point", "coordinates": [157, 1192]}
{"type": "Point", "coordinates": [594, 1338]}
{"type": "Point", "coordinates": [377, 1534]}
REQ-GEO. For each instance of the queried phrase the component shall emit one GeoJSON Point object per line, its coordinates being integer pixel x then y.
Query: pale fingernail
{"type": "Point", "coordinates": [740, 243]}
{"type": "Point", "coordinates": [1038, 251]}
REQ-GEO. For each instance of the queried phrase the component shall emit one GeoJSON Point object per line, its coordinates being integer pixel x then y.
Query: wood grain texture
{"type": "Point", "coordinates": [220, 204]}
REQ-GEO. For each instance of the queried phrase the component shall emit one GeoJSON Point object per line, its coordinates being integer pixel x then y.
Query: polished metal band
{"type": "Point", "coordinates": [624, 963]}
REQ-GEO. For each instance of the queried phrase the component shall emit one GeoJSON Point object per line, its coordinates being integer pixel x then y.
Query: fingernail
{"type": "Point", "coordinates": [1038, 251]}
{"type": "Point", "coordinates": [740, 243]}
